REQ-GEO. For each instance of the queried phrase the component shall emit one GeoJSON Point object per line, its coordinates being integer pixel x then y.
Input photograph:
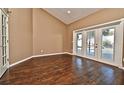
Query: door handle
{"type": "Point", "coordinates": [96, 46]}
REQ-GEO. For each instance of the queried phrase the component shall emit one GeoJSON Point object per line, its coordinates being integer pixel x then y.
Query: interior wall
{"type": "Point", "coordinates": [33, 30]}
{"type": "Point", "coordinates": [49, 34]}
{"type": "Point", "coordinates": [102, 16]}
{"type": "Point", "coordinates": [20, 34]}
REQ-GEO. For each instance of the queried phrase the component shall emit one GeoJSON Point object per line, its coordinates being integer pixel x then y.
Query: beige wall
{"type": "Point", "coordinates": [48, 33]}
{"type": "Point", "coordinates": [33, 30]}
{"type": "Point", "coordinates": [102, 16]}
{"type": "Point", "coordinates": [20, 34]}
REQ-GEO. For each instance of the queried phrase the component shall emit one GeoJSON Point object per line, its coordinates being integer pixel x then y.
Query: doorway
{"type": "Point", "coordinates": [103, 44]}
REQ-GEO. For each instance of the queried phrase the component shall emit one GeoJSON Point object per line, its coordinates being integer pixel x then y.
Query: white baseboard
{"type": "Point", "coordinates": [59, 54]}
{"type": "Point", "coordinates": [34, 57]}
{"type": "Point", "coordinates": [121, 68]}
{"type": "Point", "coordinates": [101, 61]}
{"type": "Point", "coordinates": [68, 53]}
{"type": "Point", "coordinates": [48, 54]}
{"type": "Point", "coordinates": [20, 61]}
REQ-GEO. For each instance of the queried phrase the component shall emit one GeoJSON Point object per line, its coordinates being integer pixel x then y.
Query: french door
{"type": "Point", "coordinates": [3, 42]}
{"type": "Point", "coordinates": [79, 43]}
{"type": "Point", "coordinates": [91, 44]}
{"type": "Point", "coordinates": [103, 44]}
{"type": "Point", "coordinates": [107, 43]}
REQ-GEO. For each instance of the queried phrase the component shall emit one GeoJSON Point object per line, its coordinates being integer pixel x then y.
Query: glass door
{"type": "Point", "coordinates": [79, 42]}
{"type": "Point", "coordinates": [108, 44]}
{"type": "Point", "coordinates": [3, 43]}
{"type": "Point", "coordinates": [4, 40]}
{"type": "Point", "coordinates": [104, 44]}
{"type": "Point", "coordinates": [91, 44]}
{"type": "Point", "coordinates": [100, 44]}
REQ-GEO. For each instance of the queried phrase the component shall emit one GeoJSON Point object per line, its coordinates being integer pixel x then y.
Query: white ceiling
{"type": "Point", "coordinates": [76, 13]}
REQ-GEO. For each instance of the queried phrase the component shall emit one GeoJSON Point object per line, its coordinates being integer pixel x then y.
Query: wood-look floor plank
{"type": "Point", "coordinates": [61, 70]}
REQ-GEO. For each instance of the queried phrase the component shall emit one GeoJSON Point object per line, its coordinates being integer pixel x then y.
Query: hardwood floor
{"type": "Point", "coordinates": [62, 69]}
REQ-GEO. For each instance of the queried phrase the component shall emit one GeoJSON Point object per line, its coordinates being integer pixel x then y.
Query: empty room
{"type": "Point", "coordinates": [61, 46]}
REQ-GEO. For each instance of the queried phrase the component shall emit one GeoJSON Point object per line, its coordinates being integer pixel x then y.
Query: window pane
{"type": "Point", "coordinates": [4, 38]}
{"type": "Point", "coordinates": [108, 44]}
{"type": "Point", "coordinates": [79, 41]}
{"type": "Point", "coordinates": [91, 43]}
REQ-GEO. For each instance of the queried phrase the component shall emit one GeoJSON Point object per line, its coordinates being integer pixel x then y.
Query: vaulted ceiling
{"type": "Point", "coordinates": [69, 15]}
